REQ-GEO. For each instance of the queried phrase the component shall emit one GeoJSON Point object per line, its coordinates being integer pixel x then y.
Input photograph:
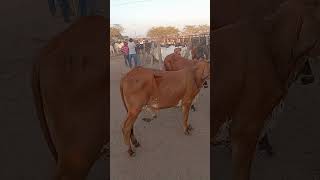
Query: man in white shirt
{"type": "Point", "coordinates": [133, 53]}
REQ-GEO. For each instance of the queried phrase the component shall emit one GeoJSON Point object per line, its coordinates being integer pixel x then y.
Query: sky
{"type": "Point", "coordinates": [138, 16]}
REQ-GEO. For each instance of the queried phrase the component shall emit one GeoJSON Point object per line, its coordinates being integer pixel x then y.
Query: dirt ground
{"type": "Point", "coordinates": [165, 152]}
{"type": "Point", "coordinates": [295, 139]}
{"type": "Point", "coordinates": [25, 27]}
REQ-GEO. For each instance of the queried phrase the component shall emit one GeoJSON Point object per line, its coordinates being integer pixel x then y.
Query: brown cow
{"type": "Point", "coordinates": [70, 90]}
{"type": "Point", "coordinates": [231, 11]}
{"type": "Point", "coordinates": [154, 89]}
{"type": "Point", "coordinates": [253, 63]}
{"type": "Point", "coordinates": [175, 61]}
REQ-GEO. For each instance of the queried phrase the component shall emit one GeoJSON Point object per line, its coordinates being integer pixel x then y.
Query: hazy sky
{"type": "Point", "coordinates": [137, 16]}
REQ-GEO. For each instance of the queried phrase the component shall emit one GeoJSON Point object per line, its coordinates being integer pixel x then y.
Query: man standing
{"type": "Point", "coordinates": [111, 50]}
{"type": "Point", "coordinates": [133, 53]}
{"type": "Point", "coordinates": [125, 52]}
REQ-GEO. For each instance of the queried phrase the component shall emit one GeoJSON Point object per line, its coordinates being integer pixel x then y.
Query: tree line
{"type": "Point", "coordinates": [116, 31]}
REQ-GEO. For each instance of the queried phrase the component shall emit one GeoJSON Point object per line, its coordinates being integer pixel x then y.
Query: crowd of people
{"type": "Point", "coordinates": [131, 50]}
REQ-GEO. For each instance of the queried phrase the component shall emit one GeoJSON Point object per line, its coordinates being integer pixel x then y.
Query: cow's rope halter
{"type": "Point", "coordinates": [202, 80]}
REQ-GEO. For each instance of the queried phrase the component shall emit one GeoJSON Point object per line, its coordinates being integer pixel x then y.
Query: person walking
{"type": "Point", "coordinates": [133, 53]}
{"type": "Point", "coordinates": [111, 50]}
{"type": "Point", "coordinates": [125, 52]}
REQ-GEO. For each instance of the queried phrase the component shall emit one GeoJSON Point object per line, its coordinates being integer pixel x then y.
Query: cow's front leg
{"type": "Point", "coordinates": [193, 108]}
{"type": "Point", "coordinates": [186, 126]}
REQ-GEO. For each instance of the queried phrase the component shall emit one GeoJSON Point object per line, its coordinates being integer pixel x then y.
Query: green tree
{"type": "Point", "coordinates": [190, 29]}
{"type": "Point", "coordinates": [203, 28]}
{"type": "Point", "coordinates": [116, 31]}
{"type": "Point", "coordinates": [195, 29]}
{"type": "Point", "coordinates": [162, 32]}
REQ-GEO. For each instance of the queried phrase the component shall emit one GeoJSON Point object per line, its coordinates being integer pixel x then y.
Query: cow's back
{"type": "Point", "coordinates": [175, 62]}
{"type": "Point", "coordinates": [138, 78]}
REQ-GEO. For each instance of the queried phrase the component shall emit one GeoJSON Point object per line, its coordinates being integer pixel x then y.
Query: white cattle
{"type": "Point", "coordinates": [185, 52]}
{"type": "Point", "coordinates": [111, 50]}
{"type": "Point", "coordinates": [117, 47]}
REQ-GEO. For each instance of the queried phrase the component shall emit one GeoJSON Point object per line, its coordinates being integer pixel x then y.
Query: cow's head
{"type": "Point", "coordinates": [202, 72]}
{"type": "Point", "coordinates": [177, 51]}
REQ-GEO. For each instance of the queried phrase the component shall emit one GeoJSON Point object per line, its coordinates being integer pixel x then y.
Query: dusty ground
{"type": "Point", "coordinates": [295, 139]}
{"type": "Point", "coordinates": [25, 26]}
{"type": "Point", "coordinates": [165, 152]}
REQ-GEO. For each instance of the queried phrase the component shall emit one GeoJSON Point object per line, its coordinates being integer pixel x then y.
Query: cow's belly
{"type": "Point", "coordinates": [193, 101]}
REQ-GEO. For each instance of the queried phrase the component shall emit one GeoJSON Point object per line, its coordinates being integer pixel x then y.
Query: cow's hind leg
{"type": "Point", "coordinates": [134, 140]}
{"type": "Point", "coordinates": [186, 126]}
{"type": "Point", "coordinates": [243, 141]}
{"type": "Point", "coordinates": [127, 129]}
{"type": "Point", "coordinates": [264, 144]}
{"type": "Point", "coordinates": [193, 108]}
{"type": "Point", "coordinates": [75, 163]}
{"type": "Point", "coordinates": [246, 127]}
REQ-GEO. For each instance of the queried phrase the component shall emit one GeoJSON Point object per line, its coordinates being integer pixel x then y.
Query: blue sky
{"type": "Point", "coordinates": [137, 16]}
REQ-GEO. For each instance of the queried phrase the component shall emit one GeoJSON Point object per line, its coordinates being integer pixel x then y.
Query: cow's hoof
{"type": "Point", "coordinates": [188, 130]}
{"type": "Point", "coordinates": [147, 119]}
{"type": "Point", "coordinates": [267, 148]}
{"type": "Point", "coordinates": [131, 153]}
{"type": "Point", "coordinates": [270, 153]}
{"type": "Point", "coordinates": [307, 80]}
{"type": "Point", "coordinates": [136, 144]}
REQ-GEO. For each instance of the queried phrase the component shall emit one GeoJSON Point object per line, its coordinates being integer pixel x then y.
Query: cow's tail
{"type": "Point", "coordinates": [40, 110]}
{"type": "Point", "coordinates": [122, 97]}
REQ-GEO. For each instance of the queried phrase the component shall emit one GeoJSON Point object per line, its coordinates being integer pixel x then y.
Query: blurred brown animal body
{"type": "Point", "coordinates": [70, 91]}
{"type": "Point", "coordinates": [175, 62]}
{"type": "Point", "coordinates": [253, 63]}
{"type": "Point", "coordinates": [226, 12]}
{"type": "Point", "coordinates": [153, 89]}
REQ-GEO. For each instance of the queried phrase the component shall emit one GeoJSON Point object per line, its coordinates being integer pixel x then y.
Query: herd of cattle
{"type": "Point", "coordinates": [70, 91]}
{"type": "Point", "coordinates": [259, 48]}
{"type": "Point", "coordinates": [149, 51]}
